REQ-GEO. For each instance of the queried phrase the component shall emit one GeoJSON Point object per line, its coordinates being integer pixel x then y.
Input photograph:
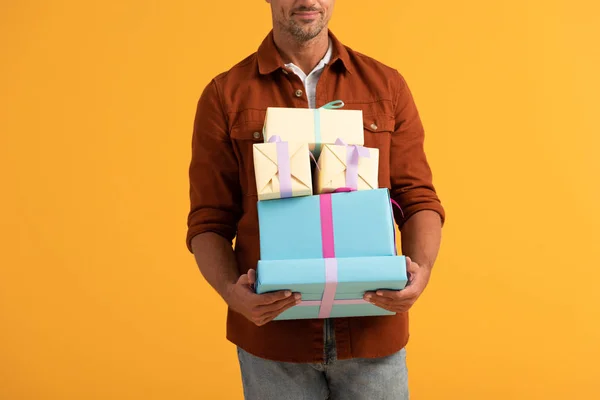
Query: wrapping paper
{"type": "Point", "coordinates": [314, 126]}
{"type": "Point", "coordinates": [282, 169]}
{"type": "Point", "coordinates": [362, 225]}
{"type": "Point", "coordinates": [343, 166]}
{"type": "Point", "coordinates": [353, 277]}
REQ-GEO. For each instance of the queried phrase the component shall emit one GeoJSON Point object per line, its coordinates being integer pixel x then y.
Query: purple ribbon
{"type": "Point", "coordinates": [331, 280]}
{"type": "Point", "coordinates": [283, 166]}
{"type": "Point", "coordinates": [401, 212]}
{"type": "Point", "coordinates": [344, 190]}
{"type": "Point", "coordinates": [353, 154]}
{"type": "Point", "coordinates": [335, 302]}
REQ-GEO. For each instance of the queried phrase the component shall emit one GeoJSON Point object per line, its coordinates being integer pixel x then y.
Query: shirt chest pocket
{"type": "Point", "coordinates": [378, 129]}
{"type": "Point", "coordinates": [243, 136]}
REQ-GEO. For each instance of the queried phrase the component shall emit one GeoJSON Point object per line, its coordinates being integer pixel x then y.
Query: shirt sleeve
{"type": "Point", "coordinates": [215, 192]}
{"type": "Point", "coordinates": [411, 177]}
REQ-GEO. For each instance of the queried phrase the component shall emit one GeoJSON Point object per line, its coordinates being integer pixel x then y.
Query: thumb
{"type": "Point", "coordinates": [410, 265]}
{"type": "Point", "coordinates": [251, 276]}
{"type": "Point", "coordinates": [243, 280]}
{"type": "Point", "coordinates": [410, 269]}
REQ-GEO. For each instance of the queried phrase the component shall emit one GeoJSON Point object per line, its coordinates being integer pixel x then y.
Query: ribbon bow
{"type": "Point", "coordinates": [333, 104]}
{"type": "Point", "coordinates": [317, 117]}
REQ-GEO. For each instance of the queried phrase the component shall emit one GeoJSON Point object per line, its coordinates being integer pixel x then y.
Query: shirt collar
{"type": "Point", "coordinates": [324, 61]}
{"type": "Point", "coordinates": [269, 59]}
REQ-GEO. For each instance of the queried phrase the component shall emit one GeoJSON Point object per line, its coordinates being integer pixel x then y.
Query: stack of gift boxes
{"type": "Point", "coordinates": [327, 234]}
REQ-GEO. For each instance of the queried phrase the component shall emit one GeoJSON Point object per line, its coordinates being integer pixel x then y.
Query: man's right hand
{"type": "Point", "coordinates": [258, 308]}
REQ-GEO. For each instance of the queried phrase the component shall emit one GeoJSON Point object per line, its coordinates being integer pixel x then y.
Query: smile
{"type": "Point", "coordinates": [307, 14]}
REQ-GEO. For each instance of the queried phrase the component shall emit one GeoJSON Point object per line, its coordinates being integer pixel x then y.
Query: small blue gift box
{"type": "Point", "coordinates": [344, 224]}
{"type": "Point", "coordinates": [332, 288]}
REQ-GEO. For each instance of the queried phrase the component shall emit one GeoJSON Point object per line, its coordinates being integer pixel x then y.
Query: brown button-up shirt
{"type": "Point", "coordinates": [223, 194]}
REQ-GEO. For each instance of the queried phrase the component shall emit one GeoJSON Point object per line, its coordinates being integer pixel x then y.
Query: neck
{"type": "Point", "coordinates": [305, 55]}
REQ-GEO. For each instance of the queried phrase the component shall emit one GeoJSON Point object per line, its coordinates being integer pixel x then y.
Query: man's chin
{"type": "Point", "coordinates": [304, 34]}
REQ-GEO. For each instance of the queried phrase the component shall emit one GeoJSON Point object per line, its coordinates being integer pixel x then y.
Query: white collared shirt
{"type": "Point", "coordinates": [310, 81]}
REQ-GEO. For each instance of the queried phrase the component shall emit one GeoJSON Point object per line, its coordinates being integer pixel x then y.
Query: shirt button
{"type": "Point", "coordinates": [299, 93]}
{"type": "Point", "coordinates": [256, 135]}
{"type": "Point", "coordinates": [374, 127]}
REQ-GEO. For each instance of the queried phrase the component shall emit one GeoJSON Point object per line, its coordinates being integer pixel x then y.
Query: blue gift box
{"type": "Point", "coordinates": [295, 228]}
{"type": "Point", "coordinates": [312, 278]}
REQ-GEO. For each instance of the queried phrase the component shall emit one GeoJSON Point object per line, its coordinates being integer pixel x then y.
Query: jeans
{"type": "Point", "coordinates": [383, 378]}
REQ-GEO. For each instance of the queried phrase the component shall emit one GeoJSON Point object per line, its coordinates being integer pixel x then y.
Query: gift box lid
{"type": "Point", "coordinates": [316, 125]}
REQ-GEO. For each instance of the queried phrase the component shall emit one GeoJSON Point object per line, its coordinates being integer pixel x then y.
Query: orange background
{"type": "Point", "coordinates": [99, 298]}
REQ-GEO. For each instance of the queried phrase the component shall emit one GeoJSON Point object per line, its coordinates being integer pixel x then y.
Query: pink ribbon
{"type": "Point", "coordinates": [328, 246]}
{"type": "Point", "coordinates": [331, 266]}
{"type": "Point", "coordinates": [399, 208]}
{"type": "Point", "coordinates": [402, 212]}
{"type": "Point", "coordinates": [353, 153]}
{"type": "Point", "coordinates": [327, 237]}
{"type": "Point", "coordinates": [283, 166]}
{"type": "Point", "coordinates": [335, 302]}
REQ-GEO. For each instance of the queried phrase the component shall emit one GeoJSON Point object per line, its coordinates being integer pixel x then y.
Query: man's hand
{"type": "Point", "coordinates": [402, 300]}
{"type": "Point", "coordinates": [258, 308]}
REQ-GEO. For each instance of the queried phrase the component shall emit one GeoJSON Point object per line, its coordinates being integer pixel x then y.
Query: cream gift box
{"type": "Point", "coordinates": [316, 126]}
{"type": "Point", "coordinates": [282, 169]}
{"type": "Point", "coordinates": [350, 167]}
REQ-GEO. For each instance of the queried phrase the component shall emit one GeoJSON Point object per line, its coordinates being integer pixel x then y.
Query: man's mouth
{"type": "Point", "coordinates": [307, 14]}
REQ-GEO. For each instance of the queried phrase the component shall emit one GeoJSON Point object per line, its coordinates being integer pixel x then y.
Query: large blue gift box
{"type": "Point", "coordinates": [353, 224]}
{"type": "Point", "coordinates": [332, 288]}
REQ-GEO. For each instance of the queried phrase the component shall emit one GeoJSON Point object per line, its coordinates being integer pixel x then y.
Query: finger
{"type": "Point", "coordinates": [268, 317]}
{"type": "Point", "coordinates": [409, 293]}
{"type": "Point", "coordinates": [270, 298]}
{"type": "Point", "coordinates": [259, 313]}
{"type": "Point", "coordinates": [399, 297]}
{"type": "Point", "coordinates": [266, 308]}
{"type": "Point", "coordinates": [371, 297]}
{"type": "Point", "coordinates": [395, 306]}
{"type": "Point", "coordinates": [368, 295]}
{"type": "Point", "coordinates": [383, 303]}
{"type": "Point", "coordinates": [390, 294]}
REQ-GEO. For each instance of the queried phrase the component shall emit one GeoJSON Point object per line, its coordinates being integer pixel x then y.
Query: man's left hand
{"type": "Point", "coordinates": [400, 301]}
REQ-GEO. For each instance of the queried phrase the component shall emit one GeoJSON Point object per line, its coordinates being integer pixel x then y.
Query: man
{"type": "Point", "coordinates": [302, 64]}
